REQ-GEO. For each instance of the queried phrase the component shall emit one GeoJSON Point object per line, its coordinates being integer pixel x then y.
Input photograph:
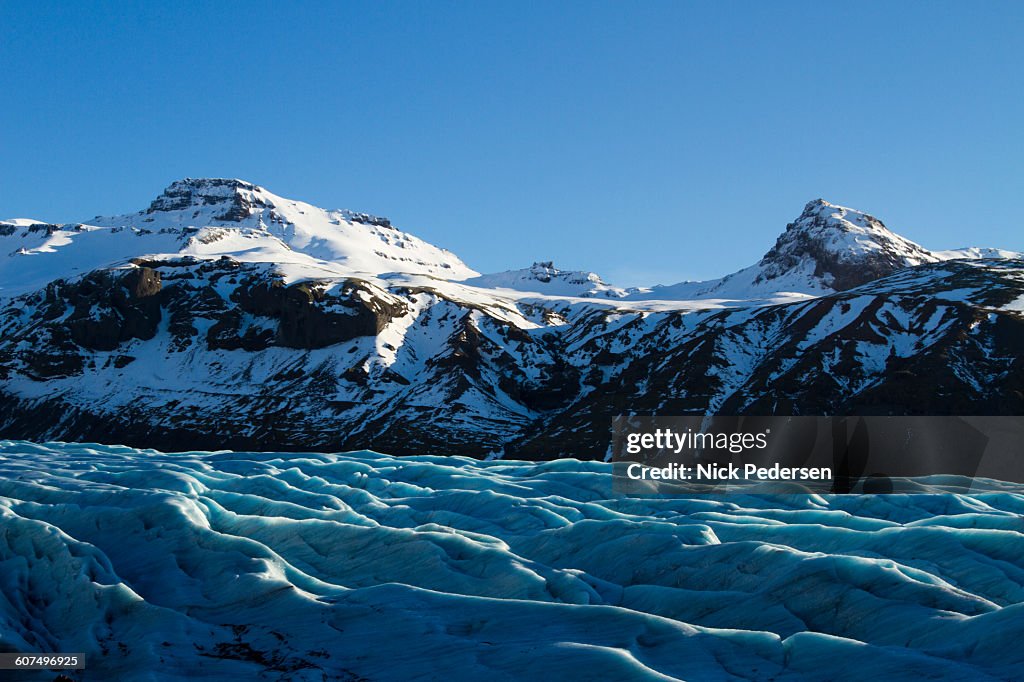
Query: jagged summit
{"type": "Point", "coordinates": [544, 278]}
{"type": "Point", "coordinates": [210, 218]}
{"type": "Point", "coordinates": [209, 190]}
{"type": "Point", "coordinates": [296, 328]}
{"type": "Point", "coordinates": [235, 201]}
{"type": "Point", "coordinates": [827, 248]}
{"type": "Point", "coordinates": [846, 248]}
{"type": "Point", "coordinates": [238, 196]}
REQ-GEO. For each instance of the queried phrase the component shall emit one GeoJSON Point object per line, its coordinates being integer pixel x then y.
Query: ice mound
{"type": "Point", "coordinates": [217, 566]}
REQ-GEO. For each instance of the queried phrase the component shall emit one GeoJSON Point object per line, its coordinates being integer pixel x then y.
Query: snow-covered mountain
{"type": "Point", "coordinates": [226, 316]}
{"type": "Point", "coordinates": [828, 248]}
{"type": "Point", "coordinates": [976, 252]}
{"type": "Point", "coordinates": [212, 218]}
{"type": "Point", "coordinates": [544, 278]}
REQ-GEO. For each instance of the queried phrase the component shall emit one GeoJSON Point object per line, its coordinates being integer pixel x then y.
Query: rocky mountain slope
{"type": "Point", "coordinates": [224, 316]}
{"type": "Point", "coordinates": [543, 277]}
{"type": "Point", "coordinates": [827, 248]}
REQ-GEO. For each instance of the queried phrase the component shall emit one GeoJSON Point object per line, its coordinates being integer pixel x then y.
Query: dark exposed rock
{"type": "Point", "coordinates": [110, 307]}
{"type": "Point", "coordinates": [190, 192]}
{"type": "Point", "coordinates": [122, 361]}
{"type": "Point", "coordinates": [236, 198]}
{"type": "Point", "coordinates": [46, 228]}
{"type": "Point", "coordinates": [480, 385]}
{"type": "Point", "coordinates": [367, 219]}
{"type": "Point", "coordinates": [310, 317]}
{"type": "Point", "coordinates": [227, 333]}
{"type": "Point", "coordinates": [811, 238]}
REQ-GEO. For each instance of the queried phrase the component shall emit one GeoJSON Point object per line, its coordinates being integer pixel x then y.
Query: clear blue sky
{"type": "Point", "coordinates": [646, 141]}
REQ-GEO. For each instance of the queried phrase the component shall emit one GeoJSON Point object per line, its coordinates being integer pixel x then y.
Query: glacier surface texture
{"type": "Point", "coordinates": [361, 566]}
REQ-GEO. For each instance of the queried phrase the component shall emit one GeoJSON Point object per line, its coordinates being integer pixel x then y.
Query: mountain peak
{"type": "Point", "coordinates": [820, 215]}
{"type": "Point", "coordinates": [842, 246]}
{"type": "Point", "coordinates": [213, 218]}
{"type": "Point", "coordinates": [827, 248]}
{"type": "Point", "coordinates": [543, 277]}
{"type": "Point", "coordinates": [820, 205]}
{"type": "Point", "coordinates": [238, 197]}
{"type": "Point", "coordinates": [815, 205]}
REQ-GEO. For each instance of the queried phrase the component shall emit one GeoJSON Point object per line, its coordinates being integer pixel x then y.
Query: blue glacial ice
{"type": "Point", "coordinates": [361, 566]}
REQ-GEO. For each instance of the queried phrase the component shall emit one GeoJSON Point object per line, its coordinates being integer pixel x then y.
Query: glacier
{"type": "Point", "coordinates": [363, 566]}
